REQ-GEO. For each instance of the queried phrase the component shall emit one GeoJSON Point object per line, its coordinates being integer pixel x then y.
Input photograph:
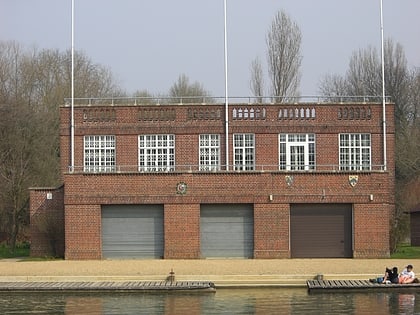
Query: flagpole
{"type": "Point", "coordinates": [72, 90]}
{"type": "Point", "coordinates": [226, 91]}
{"type": "Point", "coordinates": [383, 87]}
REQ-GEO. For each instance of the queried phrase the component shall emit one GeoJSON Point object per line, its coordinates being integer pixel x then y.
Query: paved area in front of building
{"type": "Point", "coordinates": [223, 272]}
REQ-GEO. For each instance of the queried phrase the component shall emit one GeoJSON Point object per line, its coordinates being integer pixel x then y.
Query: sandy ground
{"type": "Point", "coordinates": [216, 267]}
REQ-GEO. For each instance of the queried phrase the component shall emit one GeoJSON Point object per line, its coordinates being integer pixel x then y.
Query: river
{"type": "Point", "coordinates": [224, 301]}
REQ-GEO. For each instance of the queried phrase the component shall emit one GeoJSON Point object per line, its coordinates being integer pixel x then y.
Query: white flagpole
{"type": "Point", "coordinates": [226, 92]}
{"type": "Point", "coordinates": [383, 87]}
{"type": "Point", "coordinates": [72, 90]}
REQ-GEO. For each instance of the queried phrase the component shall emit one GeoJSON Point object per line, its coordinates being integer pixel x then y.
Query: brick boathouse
{"type": "Point", "coordinates": [179, 181]}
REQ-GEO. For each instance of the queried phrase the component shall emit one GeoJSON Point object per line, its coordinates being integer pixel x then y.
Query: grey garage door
{"type": "Point", "coordinates": [132, 231]}
{"type": "Point", "coordinates": [227, 230]}
{"type": "Point", "coordinates": [321, 230]}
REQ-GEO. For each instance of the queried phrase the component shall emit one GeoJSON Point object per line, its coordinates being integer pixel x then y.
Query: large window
{"type": "Point", "coordinates": [296, 152]}
{"type": "Point", "coordinates": [244, 151]}
{"type": "Point", "coordinates": [209, 152]}
{"type": "Point", "coordinates": [99, 153]}
{"type": "Point", "coordinates": [355, 152]}
{"type": "Point", "coordinates": [156, 153]}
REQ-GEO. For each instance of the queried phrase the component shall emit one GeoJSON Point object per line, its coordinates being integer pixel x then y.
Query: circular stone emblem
{"type": "Point", "coordinates": [181, 188]}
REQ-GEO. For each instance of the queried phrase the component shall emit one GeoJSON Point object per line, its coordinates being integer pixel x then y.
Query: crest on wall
{"type": "Point", "coordinates": [181, 188]}
{"type": "Point", "coordinates": [289, 180]}
{"type": "Point", "coordinates": [353, 179]}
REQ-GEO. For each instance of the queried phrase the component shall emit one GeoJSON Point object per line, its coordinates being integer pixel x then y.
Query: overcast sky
{"type": "Point", "coordinates": [148, 44]}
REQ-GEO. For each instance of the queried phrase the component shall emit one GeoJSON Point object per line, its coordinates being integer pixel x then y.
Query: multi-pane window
{"type": "Point", "coordinates": [209, 152]}
{"type": "Point", "coordinates": [244, 151]}
{"type": "Point", "coordinates": [355, 151]}
{"type": "Point", "coordinates": [156, 153]}
{"type": "Point", "coordinates": [296, 152]}
{"type": "Point", "coordinates": [99, 153]}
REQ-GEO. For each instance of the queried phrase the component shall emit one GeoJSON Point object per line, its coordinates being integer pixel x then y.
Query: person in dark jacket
{"type": "Point", "coordinates": [390, 276]}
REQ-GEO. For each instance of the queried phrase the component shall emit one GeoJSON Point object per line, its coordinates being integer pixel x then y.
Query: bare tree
{"type": "Point", "coordinates": [257, 80]}
{"type": "Point", "coordinates": [184, 92]}
{"type": "Point", "coordinates": [363, 78]}
{"type": "Point", "coordinates": [284, 57]}
{"type": "Point", "coordinates": [32, 86]}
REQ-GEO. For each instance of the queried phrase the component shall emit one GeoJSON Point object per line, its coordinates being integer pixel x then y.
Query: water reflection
{"type": "Point", "coordinates": [224, 301]}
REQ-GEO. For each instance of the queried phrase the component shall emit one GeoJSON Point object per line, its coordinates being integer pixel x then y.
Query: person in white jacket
{"type": "Point", "coordinates": [407, 275]}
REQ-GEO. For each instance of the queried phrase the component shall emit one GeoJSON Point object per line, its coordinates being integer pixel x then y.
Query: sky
{"type": "Point", "coordinates": [148, 44]}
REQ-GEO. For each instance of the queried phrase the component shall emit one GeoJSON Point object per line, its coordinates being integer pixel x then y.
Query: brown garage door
{"type": "Point", "coordinates": [321, 230]}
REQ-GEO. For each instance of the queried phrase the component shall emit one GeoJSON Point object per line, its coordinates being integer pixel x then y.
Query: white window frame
{"type": "Point", "coordinates": [297, 151]}
{"type": "Point", "coordinates": [209, 152]}
{"type": "Point", "coordinates": [244, 151]}
{"type": "Point", "coordinates": [99, 153]}
{"type": "Point", "coordinates": [355, 151]}
{"type": "Point", "coordinates": [156, 153]}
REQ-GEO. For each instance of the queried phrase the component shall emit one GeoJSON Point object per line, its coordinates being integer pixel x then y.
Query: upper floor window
{"type": "Point", "coordinates": [244, 151]}
{"type": "Point", "coordinates": [156, 153]}
{"type": "Point", "coordinates": [99, 153]}
{"type": "Point", "coordinates": [355, 151]}
{"type": "Point", "coordinates": [296, 152]}
{"type": "Point", "coordinates": [209, 152]}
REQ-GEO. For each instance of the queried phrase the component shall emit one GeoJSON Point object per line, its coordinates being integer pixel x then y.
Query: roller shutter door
{"type": "Point", "coordinates": [227, 231]}
{"type": "Point", "coordinates": [321, 230]}
{"type": "Point", "coordinates": [132, 231]}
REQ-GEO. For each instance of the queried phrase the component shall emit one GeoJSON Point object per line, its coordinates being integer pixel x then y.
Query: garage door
{"type": "Point", "coordinates": [227, 231]}
{"type": "Point", "coordinates": [132, 231]}
{"type": "Point", "coordinates": [321, 231]}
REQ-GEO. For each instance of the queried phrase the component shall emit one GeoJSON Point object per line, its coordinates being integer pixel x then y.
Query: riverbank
{"type": "Point", "coordinates": [222, 272]}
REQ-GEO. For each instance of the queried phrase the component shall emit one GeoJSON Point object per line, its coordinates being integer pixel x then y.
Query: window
{"type": "Point", "coordinates": [99, 153]}
{"type": "Point", "coordinates": [355, 152]}
{"type": "Point", "coordinates": [209, 152]}
{"type": "Point", "coordinates": [244, 151]}
{"type": "Point", "coordinates": [296, 152]}
{"type": "Point", "coordinates": [156, 153]}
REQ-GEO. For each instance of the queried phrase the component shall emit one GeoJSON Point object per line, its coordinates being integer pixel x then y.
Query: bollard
{"type": "Point", "coordinates": [171, 276]}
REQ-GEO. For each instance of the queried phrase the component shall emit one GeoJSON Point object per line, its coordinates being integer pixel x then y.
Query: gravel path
{"type": "Point", "coordinates": [217, 267]}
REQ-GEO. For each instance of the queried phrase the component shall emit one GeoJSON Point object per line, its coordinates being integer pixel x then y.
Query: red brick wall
{"type": "Point", "coordinates": [182, 231]}
{"type": "Point", "coordinates": [47, 214]}
{"type": "Point", "coordinates": [85, 193]}
{"type": "Point", "coordinates": [271, 231]}
{"type": "Point", "coordinates": [371, 230]}
{"type": "Point", "coordinates": [83, 231]}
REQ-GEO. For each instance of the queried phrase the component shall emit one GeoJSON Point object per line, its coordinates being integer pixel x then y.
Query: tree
{"type": "Point", "coordinates": [32, 86]}
{"type": "Point", "coordinates": [363, 78]}
{"type": "Point", "coordinates": [284, 57]}
{"type": "Point", "coordinates": [257, 80]}
{"type": "Point", "coordinates": [184, 92]}
{"type": "Point", "coordinates": [16, 154]}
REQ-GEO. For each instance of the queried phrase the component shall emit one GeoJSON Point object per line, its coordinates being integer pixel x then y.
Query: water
{"type": "Point", "coordinates": [224, 301]}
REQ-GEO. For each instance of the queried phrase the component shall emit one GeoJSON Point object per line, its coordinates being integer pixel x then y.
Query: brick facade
{"type": "Point", "coordinates": [268, 189]}
{"type": "Point", "coordinates": [47, 221]}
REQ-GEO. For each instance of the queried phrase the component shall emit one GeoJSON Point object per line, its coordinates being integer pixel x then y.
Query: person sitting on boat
{"type": "Point", "coordinates": [407, 275]}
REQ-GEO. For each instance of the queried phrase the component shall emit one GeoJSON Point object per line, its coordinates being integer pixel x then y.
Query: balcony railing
{"type": "Point", "coordinates": [332, 168]}
{"type": "Point", "coordinates": [208, 100]}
